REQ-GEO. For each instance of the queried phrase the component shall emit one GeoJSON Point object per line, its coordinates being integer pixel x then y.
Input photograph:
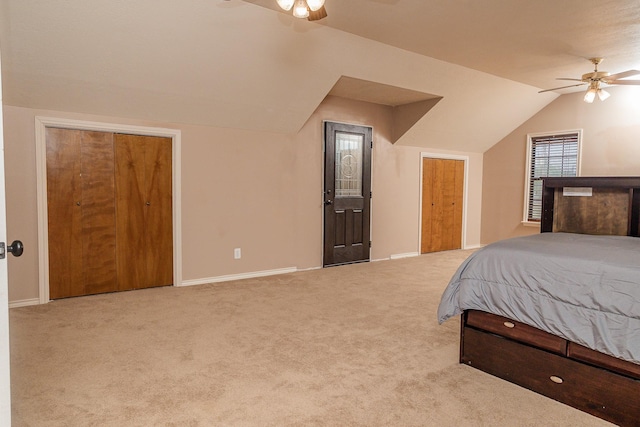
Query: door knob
{"type": "Point", "coordinates": [16, 248]}
{"type": "Point", "coordinates": [328, 202]}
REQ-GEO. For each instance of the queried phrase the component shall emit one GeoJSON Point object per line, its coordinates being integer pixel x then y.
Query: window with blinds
{"type": "Point", "coordinates": [548, 155]}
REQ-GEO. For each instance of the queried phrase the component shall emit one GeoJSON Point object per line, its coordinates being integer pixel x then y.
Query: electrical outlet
{"type": "Point", "coordinates": [237, 253]}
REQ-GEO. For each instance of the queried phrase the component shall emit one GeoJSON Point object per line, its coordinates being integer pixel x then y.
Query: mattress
{"type": "Point", "coordinates": [583, 288]}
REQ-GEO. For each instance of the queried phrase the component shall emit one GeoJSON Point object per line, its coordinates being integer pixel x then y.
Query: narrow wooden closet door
{"type": "Point", "coordinates": [144, 211]}
{"type": "Point", "coordinates": [158, 212]}
{"type": "Point", "coordinates": [81, 212]}
{"type": "Point", "coordinates": [442, 198]}
{"type": "Point", "coordinates": [64, 213]}
{"type": "Point", "coordinates": [130, 213]}
{"type": "Point", "coordinates": [98, 213]}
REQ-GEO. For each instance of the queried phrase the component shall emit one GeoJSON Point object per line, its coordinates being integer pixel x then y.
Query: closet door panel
{"type": "Point", "coordinates": [458, 201]}
{"type": "Point", "coordinates": [64, 212]}
{"type": "Point", "coordinates": [449, 237]}
{"type": "Point", "coordinates": [130, 211]}
{"type": "Point", "coordinates": [98, 213]}
{"type": "Point", "coordinates": [158, 211]}
{"type": "Point", "coordinates": [442, 204]}
{"type": "Point", "coordinates": [428, 175]}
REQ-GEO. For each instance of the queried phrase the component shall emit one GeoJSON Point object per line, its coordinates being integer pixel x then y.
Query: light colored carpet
{"type": "Point", "coordinates": [356, 345]}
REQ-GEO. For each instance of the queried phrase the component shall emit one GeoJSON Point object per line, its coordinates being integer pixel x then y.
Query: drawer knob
{"type": "Point", "coordinates": [556, 380]}
{"type": "Point", "coordinates": [509, 325]}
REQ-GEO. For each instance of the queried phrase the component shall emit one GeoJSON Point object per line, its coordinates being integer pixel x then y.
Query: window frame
{"type": "Point", "coordinates": [527, 181]}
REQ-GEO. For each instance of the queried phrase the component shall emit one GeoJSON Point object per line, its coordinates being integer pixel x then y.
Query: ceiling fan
{"type": "Point", "coordinates": [313, 10]}
{"type": "Point", "coordinates": [596, 78]}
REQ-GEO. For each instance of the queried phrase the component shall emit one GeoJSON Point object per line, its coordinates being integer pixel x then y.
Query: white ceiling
{"type": "Point", "coordinates": [238, 65]}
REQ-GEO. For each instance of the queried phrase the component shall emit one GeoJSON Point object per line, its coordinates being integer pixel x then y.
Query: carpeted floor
{"type": "Point", "coordinates": [356, 345]}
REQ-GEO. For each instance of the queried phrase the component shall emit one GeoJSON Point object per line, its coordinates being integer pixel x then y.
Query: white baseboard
{"type": "Point", "coordinates": [24, 302]}
{"type": "Point", "coordinates": [310, 268]}
{"type": "Point", "coordinates": [405, 255]}
{"type": "Point", "coordinates": [473, 247]}
{"type": "Point", "coordinates": [240, 276]}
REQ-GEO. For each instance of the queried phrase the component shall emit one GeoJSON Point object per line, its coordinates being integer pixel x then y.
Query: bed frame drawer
{"type": "Point", "coordinates": [593, 357]}
{"type": "Point", "coordinates": [516, 330]}
{"type": "Point", "coordinates": [597, 391]}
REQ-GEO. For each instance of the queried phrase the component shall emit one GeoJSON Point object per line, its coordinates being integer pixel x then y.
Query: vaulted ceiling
{"type": "Point", "coordinates": [528, 41]}
{"type": "Point", "coordinates": [241, 65]}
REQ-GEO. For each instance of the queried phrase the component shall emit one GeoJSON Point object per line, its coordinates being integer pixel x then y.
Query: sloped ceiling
{"type": "Point", "coordinates": [529, 41]}
{"type": "Point", "coordinates": [233, 64]}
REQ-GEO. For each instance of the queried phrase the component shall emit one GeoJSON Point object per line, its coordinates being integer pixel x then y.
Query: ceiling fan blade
{"type": "Point", "coordinates": [622, 75]}
{"type": "Point", "coordinates": [563, 87]}
{"type": "Point", "coordinates": [318, 14]}
{"type": "Point", "coordinates": [573, 80]}
{"type": "Point", "coordinates": [623, 82]}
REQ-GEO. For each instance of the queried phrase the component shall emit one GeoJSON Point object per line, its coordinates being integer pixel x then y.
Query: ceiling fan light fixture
{"type": "Point", "coordinates": [300, 9]}
{"type": "Point", "coordinates": [591, 93]}
{"type": "Point", "coordinates": [603, 94]}
{"type": "Point", "coordinates": [315, 4]}
{"type": "Point", "coordinates": [285, 4]}
{"type": "Point", "coordinates": [595, 78]}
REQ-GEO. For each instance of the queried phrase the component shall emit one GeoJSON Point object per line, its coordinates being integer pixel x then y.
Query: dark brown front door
{"type": "Point", "coordinates": [347, 193]}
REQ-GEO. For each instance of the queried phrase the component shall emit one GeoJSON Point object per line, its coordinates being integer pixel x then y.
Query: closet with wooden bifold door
{"type": "Point", "coordinates": [442, 204]}
{"type": "Point", "coordinates": [109, 208]}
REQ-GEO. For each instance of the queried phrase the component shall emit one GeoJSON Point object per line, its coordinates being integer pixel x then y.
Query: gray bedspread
{"type": "Point", "coordinates": [580, 287]}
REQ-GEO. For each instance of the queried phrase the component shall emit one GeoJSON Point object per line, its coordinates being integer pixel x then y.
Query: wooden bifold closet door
{"type": "Point", "coordinates": [109, 207]}
{"type": "Point", "coordinates": [143, 201]}
{"type": "Point", "coordinates": [442, 199]}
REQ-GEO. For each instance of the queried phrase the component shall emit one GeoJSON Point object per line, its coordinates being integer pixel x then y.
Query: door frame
{"type": "Point", "coordinates": [5, 357]}
{"type": "Point", "coordinates": [322, 175]}
{"type": "Point", "coordinates": [443, 156]}
{"type": "Point", "coordinates": [42, 123]}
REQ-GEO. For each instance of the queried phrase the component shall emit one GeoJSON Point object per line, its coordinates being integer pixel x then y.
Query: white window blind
{"type": "Point", "coordinates": [549, 155]}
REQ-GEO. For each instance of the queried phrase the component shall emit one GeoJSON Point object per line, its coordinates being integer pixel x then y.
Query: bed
{"type": "Point", "coordinates": [559, 312]}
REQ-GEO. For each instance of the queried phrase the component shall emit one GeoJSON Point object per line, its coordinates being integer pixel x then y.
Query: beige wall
{"type": "Point", "coordinates": [258, 191]}
{"type": "Point", "coordinates": [610, 147]}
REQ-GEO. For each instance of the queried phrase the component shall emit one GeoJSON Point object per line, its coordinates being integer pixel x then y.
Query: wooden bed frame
{"type": "Point", "coordinates": [593, 382]}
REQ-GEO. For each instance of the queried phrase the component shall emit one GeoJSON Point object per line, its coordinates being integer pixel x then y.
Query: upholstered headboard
{"type": "Point", "coordinates": [591, 205]}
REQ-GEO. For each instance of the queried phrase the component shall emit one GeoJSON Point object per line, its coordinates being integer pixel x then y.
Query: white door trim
{"type": "Point", "coordinates": [5, 364]}
{"type": "Point", "coordinates": [41, 124]}
{"type": "Point", "coordinates": [464, 197]}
